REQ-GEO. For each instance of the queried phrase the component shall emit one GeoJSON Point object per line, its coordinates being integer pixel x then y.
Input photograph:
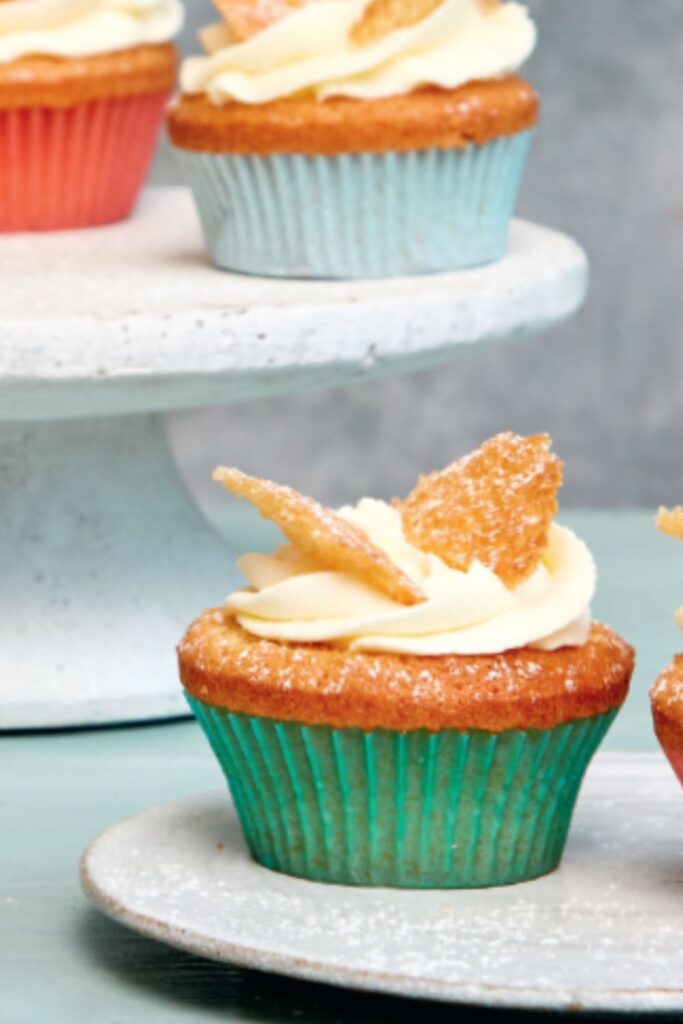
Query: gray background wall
{"type": "Point", "coordinates": [608, 168]}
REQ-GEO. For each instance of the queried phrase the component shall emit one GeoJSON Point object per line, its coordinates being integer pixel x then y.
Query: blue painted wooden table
{"type": "Point", "coordinates": [62, 962]}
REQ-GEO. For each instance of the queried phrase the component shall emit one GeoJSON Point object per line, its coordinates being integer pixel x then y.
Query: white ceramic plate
{"type": "Point", "coordinates": [602, 933]}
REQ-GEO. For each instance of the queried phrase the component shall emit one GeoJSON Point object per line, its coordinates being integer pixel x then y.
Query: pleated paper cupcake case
{"type": "Point", "coordinates": [76, 166]}
{"type": "Point", "coordinates": [358, 215]}
{"type": "Point", "coordinates": [416, 809]}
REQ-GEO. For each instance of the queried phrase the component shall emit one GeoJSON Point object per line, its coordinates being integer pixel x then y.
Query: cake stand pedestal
{"type": "Point", "coordinates": [104, 558]}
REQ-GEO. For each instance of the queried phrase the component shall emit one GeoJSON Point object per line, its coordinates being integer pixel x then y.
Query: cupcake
{"type": "Point", "coordinates": [667, 693]}
{"type": "Point", "coordinates": [83, 89]}
{"type": "Point", "coordinates": [408, 695]}
{"type": "Point", "coordinates": [357, 138]}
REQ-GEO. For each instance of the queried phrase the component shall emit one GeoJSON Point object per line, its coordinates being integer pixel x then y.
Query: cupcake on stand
{"type": "Point", "coordinates": [83, 89]}
{"type": "Point", "coordinates": [357, 138]}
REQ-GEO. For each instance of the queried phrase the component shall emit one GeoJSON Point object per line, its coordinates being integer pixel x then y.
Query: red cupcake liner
{"type": "Point", "coordinates": [76, 166]}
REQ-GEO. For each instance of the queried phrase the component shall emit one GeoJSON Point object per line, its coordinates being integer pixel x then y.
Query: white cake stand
{"type": "Point", "coordinates": [103, 556]}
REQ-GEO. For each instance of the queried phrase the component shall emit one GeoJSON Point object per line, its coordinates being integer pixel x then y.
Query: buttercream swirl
{"type": "Point", "coordinates": [84, 28]}
{"type": "Point", "coordinates": [311, 50]}
{"type": "Point", "coordinates": [293, 598]}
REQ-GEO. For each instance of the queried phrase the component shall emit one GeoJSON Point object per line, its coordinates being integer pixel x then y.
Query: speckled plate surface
{"type": "Point", "coordinates": [602, 933]}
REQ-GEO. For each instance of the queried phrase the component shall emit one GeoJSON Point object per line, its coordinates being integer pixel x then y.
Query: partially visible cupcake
{"type": "Point", "coordinates": [667, 693]}
{"type": "Point", "coordinates": [410, 695]}
{"type": "Point", "coordinates": [357, 138]}
{"type": "Point", "coordinates": [83, 89]}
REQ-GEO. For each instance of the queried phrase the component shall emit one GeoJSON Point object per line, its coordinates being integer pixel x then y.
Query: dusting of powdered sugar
{"type": "Point", "coordinates": [608, 922]}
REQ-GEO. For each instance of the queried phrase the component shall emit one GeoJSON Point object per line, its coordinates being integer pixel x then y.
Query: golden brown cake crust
{"type": "Point", "coordinates": [430, 118]}
{"type": "Point", "coordinates": [667, 705]}
{"type": "Point", "coordinates": [225, 666]}
{"type": "Point", "coordinates": [63, 82]}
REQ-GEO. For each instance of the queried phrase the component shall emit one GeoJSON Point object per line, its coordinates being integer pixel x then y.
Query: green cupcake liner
{"type": "Point", "coordinates": [416, 809]}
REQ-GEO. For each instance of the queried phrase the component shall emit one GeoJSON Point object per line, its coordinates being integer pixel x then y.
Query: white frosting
{"type": "Point", "coordinates": [311, 49]}
{"type": "Point", "coordinates": [83, 28]}
{"type": "Point", "coordinates": [295, 599]}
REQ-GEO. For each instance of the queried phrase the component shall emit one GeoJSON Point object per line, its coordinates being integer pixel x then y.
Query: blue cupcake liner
{"type": "Point", "coordinates": [455, 809]}
{"type": "Point", "coordinates": [358, 215]}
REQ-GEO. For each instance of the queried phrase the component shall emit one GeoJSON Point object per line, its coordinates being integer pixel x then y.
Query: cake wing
{"type": "Point", "coordinates": [321, 533]}
{"type": "Point", "coordinates": [670, 521]}
{"type": "Point", "coordinates": [248, 17]}
{"type": "Point", "coordinates": [495, 506]}
{"type": "Point", "coordinates": [384, 16]}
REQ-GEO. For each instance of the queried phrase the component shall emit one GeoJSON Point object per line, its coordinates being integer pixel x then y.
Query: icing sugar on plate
{"type": "Point", "coordinates": [602, 933]}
